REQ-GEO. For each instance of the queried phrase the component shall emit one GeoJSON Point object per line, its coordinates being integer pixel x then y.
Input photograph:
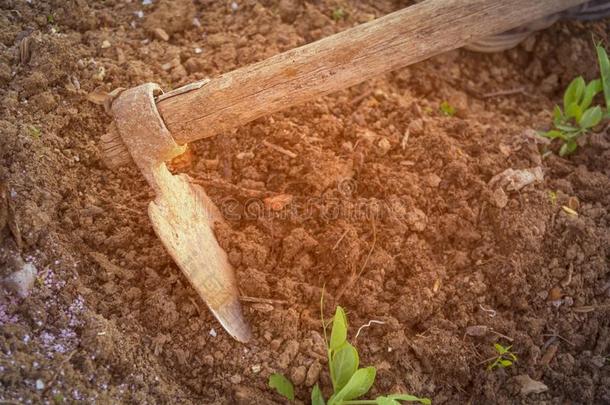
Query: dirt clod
{"type": "Point", "coordinates": [528, 386]}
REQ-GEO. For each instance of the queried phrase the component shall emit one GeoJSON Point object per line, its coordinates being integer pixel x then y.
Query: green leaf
{"type": "Point", "coordinates": [574, 92]}
{"type": "Point", "coordinates": [282, 385]}
{"type": "Point", "coordinates": [339, 333]}
{"type": "Point", "coordinates": [316, 396]}
{"type": "Point", "coordinates": [557, 115]}
{"type": "Point", "coordinates": [344, 364]}
{"type": "Point", "coordinates": [591, 117]}
{"type": "Point", "coordinates": [410, 398]}
{"type": "Point", "coordinates": [500, 349]}
{"type": "Point", "coordinates": [604, 69]}
{"type": "Point", "coordinates": [566, 128]}
{"type": "Point", "coordinates": [360, 383]}
{"type": "Point", "coordinates": [568, 148]}
{"type": "Point", "coordinates": [594, 87]}
{"type": "Point", "coordinates": [506, 363]}
{"type": "Point", "coordinates": [574, 111]}
{"type": "Point", "coordinates": [386, 401]}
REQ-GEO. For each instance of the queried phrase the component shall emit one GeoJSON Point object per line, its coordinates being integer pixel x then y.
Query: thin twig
{"type": "Point", "coordinates": [248, 192]}
{"type": "Point", "coordinates": [356, 100]}
{"type": "Point", "coordinates": [590, 308]}
{"type": "Point", "coordinates": [510, 92]}
{"type": "Point", "coordinates": [340, 239]}
{"type": "Point", "coordinates": [354, 277]}
{"type": "Point", "coordinates": [263, 300]}
{"type": "Point", "coordinates": [560, 337]}
{"type": "Point", "coordinates": [368, 325]}
{"type": "Point", "coordinates": [370, 251]}
{"type": "Point", "coordinates": [278, 148]}
{"type": "Point", "coordinates": [487, 360]}
{"type": "Point", "coordinates": [510, 339]}
{"type": "Point", "coordinates": [492, 312]}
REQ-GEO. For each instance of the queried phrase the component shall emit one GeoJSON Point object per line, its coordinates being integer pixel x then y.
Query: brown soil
{"type": "Point", "coordinates": [407, 231]}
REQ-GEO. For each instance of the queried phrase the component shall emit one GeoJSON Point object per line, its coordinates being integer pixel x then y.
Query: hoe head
{"type": "Point", "coordinates": [182, 214]}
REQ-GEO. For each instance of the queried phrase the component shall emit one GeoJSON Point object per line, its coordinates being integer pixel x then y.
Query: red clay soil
{"type": "Point", "coordinates": [392, 206]}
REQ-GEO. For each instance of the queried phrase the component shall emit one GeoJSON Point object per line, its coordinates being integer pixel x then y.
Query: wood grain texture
{"type": "Point", "coordinates": [342, 60]}
{"type": "Point", "coordinates": [182, 216]}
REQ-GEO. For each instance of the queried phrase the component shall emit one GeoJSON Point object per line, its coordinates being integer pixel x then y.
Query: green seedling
{"type": "Point", "coordinates": [348, 380]}
{"type": "Point", "coordinates": [447, 109]}
{"type": "Point", "coordinates": [505, 357]}
{"type": "Point", "coordinates": [578, 116]}
{"type": "Point", "coordinates": [338, 14]}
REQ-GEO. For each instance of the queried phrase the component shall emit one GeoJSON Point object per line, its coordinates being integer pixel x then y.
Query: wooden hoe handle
{"type": "Point", "coordinates": [342, 60]}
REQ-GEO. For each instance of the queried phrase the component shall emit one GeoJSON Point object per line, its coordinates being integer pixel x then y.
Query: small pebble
{"type": "Point", "coordinates": [39, 384]}
{"type": "Point", "coordinates": [416, 127]}
{"type": "Point", "coordinates": [477, 330]}
{"type": "Point", "coordinates": [554, 294]}
{"type": "Point", "coordinates": [291, 349]}
{"type": "Point", "coordinates": [528, 386]}
{"type": "Point", "coordinates": [499, 198]}
{"type": "Point", "coordinates": [598, 361]}
{"type": "Point", "coordinates": [161, 34]}
{"type": "Point", "coordinates": [383, 146]}
{"type": "Point", "coordinates": [298, 375]}
{"type": "Point", "coordinates": [313, 374]}
{"type": "Point", "coordinates": [213, 332]}
{"type": "Point", "coordinates": [549, 354]}
{"type": "Point", "coordinates": [21, 281]}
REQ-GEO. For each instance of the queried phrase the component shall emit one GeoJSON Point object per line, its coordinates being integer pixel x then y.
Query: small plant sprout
{"type": "Point", "coordinates": [447, 109]}
{"type": "Point", "coordinates": [578, 116]}
{"type": "Point", "coordinates": [505, 357]}
{"type": "Point", "coordinates": [338, 14]}
{"type": "Point", "coordinates": [348, 380]}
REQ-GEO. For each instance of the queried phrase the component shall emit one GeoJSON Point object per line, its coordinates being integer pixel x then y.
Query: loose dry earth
{"type": "Point", "coordinates": [388, 203]}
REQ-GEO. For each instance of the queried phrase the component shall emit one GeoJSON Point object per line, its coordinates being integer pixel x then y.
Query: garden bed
{"type": "Point", "coordinates": [386, 203]}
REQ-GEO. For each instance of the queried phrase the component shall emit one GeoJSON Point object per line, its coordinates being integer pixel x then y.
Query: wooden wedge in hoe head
{"type": "Point", "coordinates": [150, 127]}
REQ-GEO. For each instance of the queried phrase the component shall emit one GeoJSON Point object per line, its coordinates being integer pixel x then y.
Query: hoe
{"type": "Point", "coordinates": [151, 127]}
